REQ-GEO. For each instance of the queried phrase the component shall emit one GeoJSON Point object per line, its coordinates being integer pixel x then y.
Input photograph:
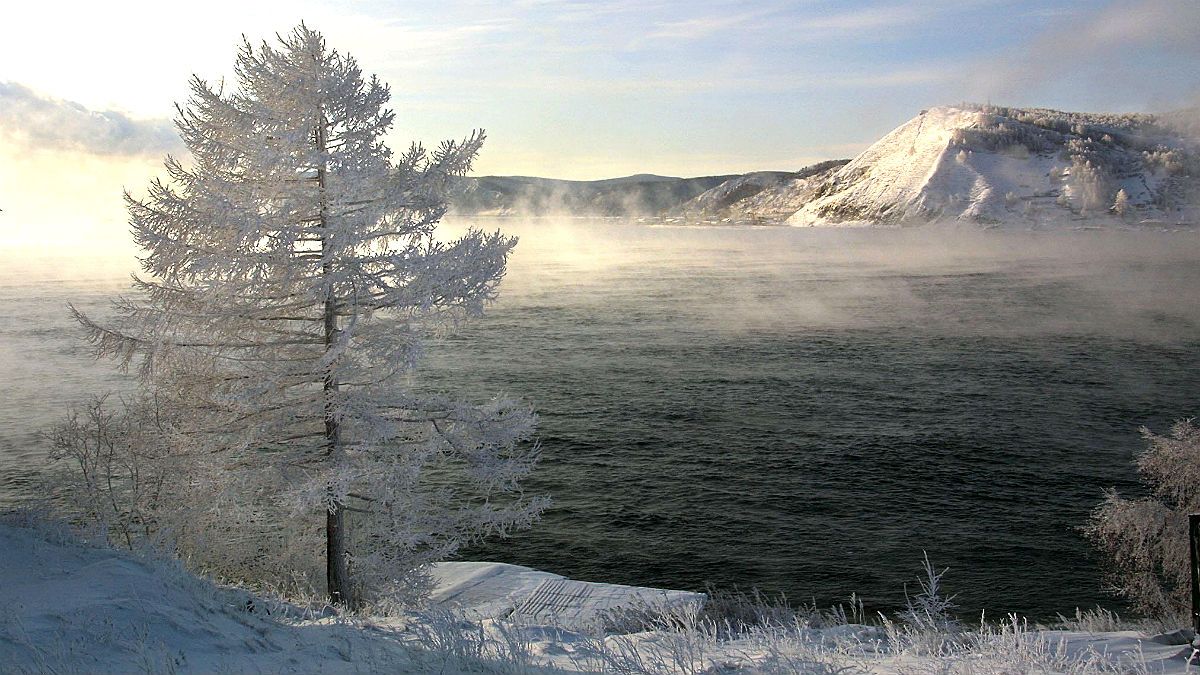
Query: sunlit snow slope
{"type": "Point", "coordinates": [994, 165]}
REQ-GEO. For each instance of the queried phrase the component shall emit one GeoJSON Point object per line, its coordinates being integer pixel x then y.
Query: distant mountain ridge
{"type": "Point", "coordinates": [982, 164]}
{"type": "Point", "coordinates": [631, 196]}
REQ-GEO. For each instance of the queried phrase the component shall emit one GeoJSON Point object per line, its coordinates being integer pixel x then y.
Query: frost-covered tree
{"type": "Point", "coordinates": [1121, 203]}
{"type": "Point", "coordinates": [1145, 541]}
{"type": "Point", "coordinates": [291, 274]}
{"type": "Point", "coordinates": [1087, 185]}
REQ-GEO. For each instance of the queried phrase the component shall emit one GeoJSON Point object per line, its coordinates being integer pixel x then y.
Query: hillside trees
{"type": "Point", "coordinates": [291, 275]}
{"type": "Point", "coordinates": [1088, 185]}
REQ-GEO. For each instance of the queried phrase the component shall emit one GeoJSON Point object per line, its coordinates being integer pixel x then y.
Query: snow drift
{"type": "Point", "coordinates": [69, 607]}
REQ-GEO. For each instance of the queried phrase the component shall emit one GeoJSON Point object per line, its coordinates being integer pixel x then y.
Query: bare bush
{"type": "Point", "coordinates": [111, 466]}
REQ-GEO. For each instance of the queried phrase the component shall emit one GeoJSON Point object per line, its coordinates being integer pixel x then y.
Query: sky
{"type": "Point", "coordinates": [566, 88]}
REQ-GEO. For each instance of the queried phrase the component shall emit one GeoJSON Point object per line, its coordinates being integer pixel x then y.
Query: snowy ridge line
{"type": "Point", "coordinates": [985, 165]}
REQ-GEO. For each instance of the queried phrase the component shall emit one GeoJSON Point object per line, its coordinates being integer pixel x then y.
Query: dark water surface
{"type": "Point", "coordinates": [804, 411]}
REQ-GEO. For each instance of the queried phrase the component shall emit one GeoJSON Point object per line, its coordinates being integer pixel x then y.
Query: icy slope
{"type": "Point", "coordinates": [995, 165]}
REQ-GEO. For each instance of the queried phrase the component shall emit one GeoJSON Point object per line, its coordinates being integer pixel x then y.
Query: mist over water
{"type": "Point", "coordinates": [803, 411]}
{"type": "Point", "coordinates": [806, 411]}
{"type": "Point", "coordinates": [45, 366]}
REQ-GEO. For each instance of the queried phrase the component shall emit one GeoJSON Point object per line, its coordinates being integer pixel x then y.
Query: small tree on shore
{"type": "Point", "coordinates": [292, 274]}
{"type": "Point", "coordinates": [1145, 541]}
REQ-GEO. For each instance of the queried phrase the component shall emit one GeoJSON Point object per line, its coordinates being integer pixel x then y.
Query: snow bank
{"type": "Point", "coordinates": [68, 607]}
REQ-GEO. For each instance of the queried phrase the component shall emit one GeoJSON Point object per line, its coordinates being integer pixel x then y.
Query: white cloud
{"type": "Point", "coordinates": [42, 122]}
{"type": "Point", "coordinates": [700, 27]}
{"type": "Point", "coordinates": [718, 81]}
{"type": "Point", "coordinates": [1119, 37]}
{"type": "Point", "coordinates": [866, 19]}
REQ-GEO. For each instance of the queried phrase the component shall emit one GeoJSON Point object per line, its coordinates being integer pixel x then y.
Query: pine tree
{"type": "Point", "coordinates": [291, 274]}
{"type": "Point", "coordinates": [1121, 203]}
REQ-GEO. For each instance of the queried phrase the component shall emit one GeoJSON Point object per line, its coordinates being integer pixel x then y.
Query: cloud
{"type": "Point", "coordinates": [696, 28]}
{"type": "Point", "coordinates": [770, 83]}
{"type": "Point", "coordinates": [782, 26]}
{"type": "Point", "coordinates": [42, 122]}
{"type": "Point", "coordinates": [1169, 25]}
{"type": "Point", "coordinates": [863, 20]}
{"type": "Point", "coordinates": [1121, 35]}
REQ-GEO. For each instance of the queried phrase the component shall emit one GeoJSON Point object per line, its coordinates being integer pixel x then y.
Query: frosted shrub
{"type": "Point", "coordinates": [124, 469]}
{"type": "Point", "coordinates": [1145, 541]}
{"type": "Point", "coordinates": [111, 467]}
{"type": "Point", "coordinates": [1101, 620]}
{"type": "Point", "coordinates": [1011, 647]}
{"type": "Point", "coordinates": [929, 609]}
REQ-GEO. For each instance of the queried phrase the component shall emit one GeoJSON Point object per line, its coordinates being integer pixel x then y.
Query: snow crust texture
{"type": "Point", "coordinates": [488, 590]}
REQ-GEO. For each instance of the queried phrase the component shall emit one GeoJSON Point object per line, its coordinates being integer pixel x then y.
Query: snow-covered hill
{"type": "Point", "coordinates": [993, 165]}
{"type": "Point", "coordinates": [70, 607]}
{"type": "Point", "coordinates": [760, 197]}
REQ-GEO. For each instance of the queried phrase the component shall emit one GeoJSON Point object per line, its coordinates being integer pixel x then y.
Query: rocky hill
{"type": "Point", "coordinates": [993, 165]}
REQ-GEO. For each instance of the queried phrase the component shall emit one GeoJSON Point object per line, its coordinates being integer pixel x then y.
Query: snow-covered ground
{"type": "Point", "coordinates": [487, 590]}
{"type": "Point", "coordinates": [67, 607]}
{"type": "Point", "coordinates": [70, 607]}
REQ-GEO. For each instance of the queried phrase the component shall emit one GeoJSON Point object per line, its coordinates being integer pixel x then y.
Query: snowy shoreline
{"type": "Point", "coordinates": [71, 606]}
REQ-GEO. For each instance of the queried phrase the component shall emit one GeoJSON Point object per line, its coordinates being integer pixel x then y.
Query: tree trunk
{"type": "Point", "coordinates": [337, 574]}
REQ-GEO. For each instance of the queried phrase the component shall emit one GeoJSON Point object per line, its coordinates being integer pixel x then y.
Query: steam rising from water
{"type": "Point", "coordinates": [807, 410]}
{"type": "Point", "coordinates": [801, 410]}
{"type": "Point", "coordinates": [1128, 284]}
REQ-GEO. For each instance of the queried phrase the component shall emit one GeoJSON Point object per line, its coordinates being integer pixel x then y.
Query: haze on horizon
{"type": "Point", "coordinates": [565, 88]}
